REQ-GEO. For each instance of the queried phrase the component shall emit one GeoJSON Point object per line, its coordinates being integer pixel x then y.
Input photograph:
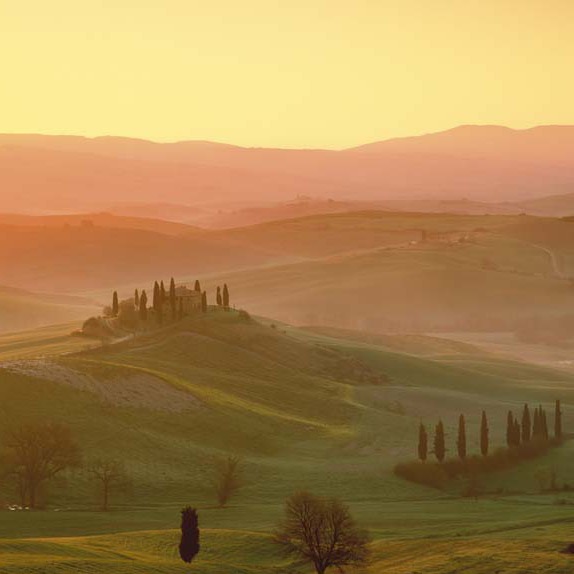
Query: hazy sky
{"type": "Point", "coordinates": [291, 73]}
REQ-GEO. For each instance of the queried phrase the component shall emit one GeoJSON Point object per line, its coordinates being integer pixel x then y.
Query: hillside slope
{"type": "Point", "coordinates": [303, 410]}
{"type": "Point", "coordinates": [20, 309]}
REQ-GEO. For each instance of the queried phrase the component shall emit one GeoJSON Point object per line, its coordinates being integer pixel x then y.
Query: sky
{"type": "Point", "coordinates": [283, 73]}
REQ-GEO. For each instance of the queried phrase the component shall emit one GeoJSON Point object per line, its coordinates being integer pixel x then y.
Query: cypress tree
{"type": "Point", "coordinates": [197, 286]}
{"type": "Point", "coordinates": [536, 424]}
{"type": "Point", "coordinates": [544, 425]}
{"type": "Point", "coordinates": [143, 306]}
{"type": "Point", "coordinates": [136, 299]}
{"type": "Point", "coordinates": [225, 296]}
{"type": "Point", "coordinates": [162, 292]}
{"type": "Point", "coordinates": [218, 296]}
{"type": "Point", "coordinates": [526, 424]}
{"type": "Point", "coordinates": [189, 544]}
{"type": "Point", "coordinates": [557, 421]}
{"type": "Point", "coordinates": [172, 300]}
{"type": "Point", "coordinates": [461, 439]}
{"type": "Point", "coordinates": [423, 443]}
{"type": "Point", "coordinates": [517, 436]}
{"type": "Point", "coordinates": [115, 304]}
{"type": "Point", "coordinates": [510, 430]}
{"type": "Point", "coordinates": [156, 303]}
{"type": "Point", "coordinates": [439, 448]}
{"type": "Point", "coordinates": [484, 435]}
{"type": "Point", "coordinates": [204, 302]}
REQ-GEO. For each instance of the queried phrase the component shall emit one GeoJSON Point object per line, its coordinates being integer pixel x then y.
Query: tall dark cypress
{"type": "Point", "coordinates": [484, 435]}
{"type": "Point", "coordinates": [461, 439]}
{"type": "Point", "coordinates": [557, 421]}
{"type": "Point", "coordinates": [172, 300]}
{"type": "Point", "coordinates": [526, 424]}
{"type": "Point", "coordinates": [536, 424]}
{"type": "Point", "coordinates": [423, 443]}
{"type": "Point", "coordinates": [136, 299]}
{"type": "Point", "coordinates": [156, 302]}
{"type": "Point", "coordinates": [439, 447]}
{"type": "Point", "coordinates": [143, 306]}
{"type": "Point", "coordinates": [510, 430]}
{"type": "Point", "coordinates": [225, 296]}
{"type": "Point", "coordinates": [162, 292]}
{"type": "Point", "coordinates": [189, 543]}
{"type": "Point", "coordinates": [197, 286]}
{"type": "Point", "coordinates": [204, 302]}
{"type": "Point", "coordinates": [517, 436]}
{"type": "Point", "coordinates": [544, 425]}
{"type": "Point", "coordinates": [218, 296]}
{"type": "Point", "coordinates": [115, 304]}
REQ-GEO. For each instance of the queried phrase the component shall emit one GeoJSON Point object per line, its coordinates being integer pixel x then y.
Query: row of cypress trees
{"type": "Point", "coordinates": [535, 428]}
{"type": "Point", "coordinates": [161, 296]}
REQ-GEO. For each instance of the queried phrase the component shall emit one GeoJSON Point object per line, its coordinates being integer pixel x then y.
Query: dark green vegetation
{"type": "Point", "coordinates": [303, 410]}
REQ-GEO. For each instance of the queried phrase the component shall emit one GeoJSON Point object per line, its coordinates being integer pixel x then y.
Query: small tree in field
{"type": "Point", "coordinates": [557, 421]}
{"type": "Point", "coordinates": [461, 439]}
{"type": "Point", "coordinates": [484, 434]}
{"type": "Point", "coordinates": [423, 443]}
{"type": "Point", "coordinates": [34, 454]}
{"type": "Point", "coordinates": [227, 479]}
{"type": "Point", "coordinates": [189, 543]}
{"type": "Point", "coordinates": [110, 477]}
{"type": "Point", "coordinates": [322, 532]}
{"type": "Point", "coordinates": [439, 446]}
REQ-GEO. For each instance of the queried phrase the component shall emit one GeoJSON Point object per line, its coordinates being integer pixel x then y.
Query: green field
{"type": "Point", "coordinates": [323, 410]}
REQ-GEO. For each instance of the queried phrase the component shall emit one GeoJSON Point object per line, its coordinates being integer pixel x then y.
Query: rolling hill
{"type": "Point", "coordinates": [303, 409]}
{"type": "Point", "coordinates": [20, 309]}
{"type": "Point", "coordinates": [482, 163]}
{"type": "Point", "coordinates": [369, 270]}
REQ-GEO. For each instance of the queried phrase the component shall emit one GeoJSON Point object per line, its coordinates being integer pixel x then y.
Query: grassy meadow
{"type": "Point", "coordinates": [325, 410]}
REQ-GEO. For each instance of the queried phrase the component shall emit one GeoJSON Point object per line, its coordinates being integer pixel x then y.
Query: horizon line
{"type": "Point", "coordinates": [228, 144]}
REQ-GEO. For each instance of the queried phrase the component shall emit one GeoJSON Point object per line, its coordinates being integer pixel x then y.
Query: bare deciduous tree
{"type": "Point", "coordinates": [227, 479]}
{"type": "Point", "coordinates": [36, 453]}
{"type": "Point", "coordinates": [110, 476]}
{"type": "Point", "coordinates": [322, 532]}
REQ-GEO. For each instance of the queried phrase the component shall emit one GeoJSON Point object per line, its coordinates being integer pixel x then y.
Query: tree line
{"type": "Point", "coordinates": [526, 438]}
{"type": "Point", "coordinates": [530, 428]}
{"type": "Point", "coordinates": [137, 308]}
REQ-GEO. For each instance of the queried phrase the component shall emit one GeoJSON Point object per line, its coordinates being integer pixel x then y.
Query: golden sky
{"type": "Point", "coordinates": [286, 73]}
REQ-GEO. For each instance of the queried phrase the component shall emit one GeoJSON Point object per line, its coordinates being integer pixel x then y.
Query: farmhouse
{"type": "Point", "coordinates": [189, 299]}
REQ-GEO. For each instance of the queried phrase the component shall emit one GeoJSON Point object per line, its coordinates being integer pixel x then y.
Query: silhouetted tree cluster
{"type": "Point", "coordinates": [34, 454]}
{"type": "Point", "coordinates": [524, 439]}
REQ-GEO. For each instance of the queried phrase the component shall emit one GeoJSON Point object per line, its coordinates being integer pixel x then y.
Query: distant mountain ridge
{"type": "Point", "coordinates": [480, 163]}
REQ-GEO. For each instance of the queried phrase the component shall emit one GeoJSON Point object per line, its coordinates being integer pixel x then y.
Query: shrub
{"type": "Point", "coordinates": [244, 316]}
{"type": "Point", "coordinates": [436, 474]}
{"type": "Point", "coordinates": [429, 474]}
